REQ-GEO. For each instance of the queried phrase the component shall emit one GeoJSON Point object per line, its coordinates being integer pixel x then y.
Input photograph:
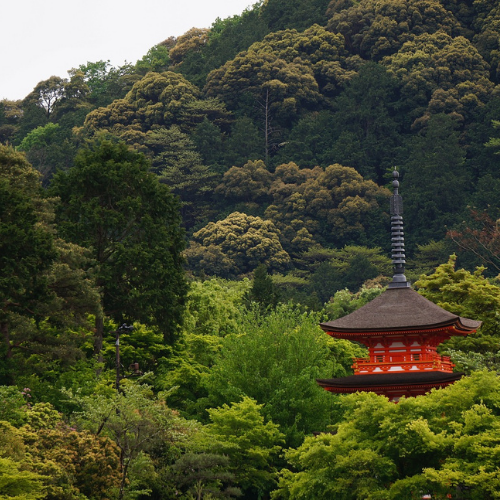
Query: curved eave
{"type": "Point", "coordinates": [399, 309]}
{"type": "Point", "coordinates": [389, 381]}
{"type": "Point", "coordinates": [454, 328]}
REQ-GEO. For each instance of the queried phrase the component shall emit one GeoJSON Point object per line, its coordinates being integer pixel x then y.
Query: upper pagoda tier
{"type": "Point", "coordinates": [402, 331]}
{"type": "Point", "coordinates": [397, 310]}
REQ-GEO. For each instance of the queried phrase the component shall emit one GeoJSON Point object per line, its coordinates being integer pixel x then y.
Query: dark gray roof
{"type": "Point", "coordinates": [358, 382]}
{"type": "Point", "coordinates": [399, 309]}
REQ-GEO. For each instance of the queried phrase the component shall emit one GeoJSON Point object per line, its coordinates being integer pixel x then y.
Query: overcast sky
{"type": "Point", "coordinates": [41, 38]}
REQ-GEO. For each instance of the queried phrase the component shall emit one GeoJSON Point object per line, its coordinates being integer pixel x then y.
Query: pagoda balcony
{"type": "Point", "coordinates": [403, 363]}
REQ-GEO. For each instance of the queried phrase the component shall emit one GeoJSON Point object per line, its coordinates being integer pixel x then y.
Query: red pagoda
{"type": "Point", "coordinates": [401, 330]}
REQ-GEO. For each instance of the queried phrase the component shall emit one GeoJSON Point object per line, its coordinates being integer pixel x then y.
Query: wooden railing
{"type": "Point", "coordinates": [403, 362]}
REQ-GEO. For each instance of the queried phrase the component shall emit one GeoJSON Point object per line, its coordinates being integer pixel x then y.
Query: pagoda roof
{"type": "Point", "coordinates": [393, 380]}
{"type": "Point", "coordinates": [399, 309]}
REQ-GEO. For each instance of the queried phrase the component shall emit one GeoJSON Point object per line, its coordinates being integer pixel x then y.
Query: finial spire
{"type": "Point", "coordinates": [398, 241]}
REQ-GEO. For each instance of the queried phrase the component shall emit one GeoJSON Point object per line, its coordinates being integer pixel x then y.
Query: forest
{"type": "Point", "coordinates": [173, 231]}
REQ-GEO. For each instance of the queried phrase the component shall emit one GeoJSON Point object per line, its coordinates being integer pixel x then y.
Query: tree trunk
{"type": "Point", "coordinates": [266, 126]}
{"type": "Point", "coordinates": [4, 327]}
{"type": "Point", "coordinates": [124, 467]}
{"type": "Point", "coordinates": [99, 337]}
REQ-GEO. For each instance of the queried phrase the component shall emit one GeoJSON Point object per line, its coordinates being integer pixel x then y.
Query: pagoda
{"type": "Point", "coordinates": [401, 330]}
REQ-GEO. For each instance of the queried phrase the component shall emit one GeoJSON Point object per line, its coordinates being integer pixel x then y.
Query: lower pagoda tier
{"type": "Point", "coordinates": [392, 385]}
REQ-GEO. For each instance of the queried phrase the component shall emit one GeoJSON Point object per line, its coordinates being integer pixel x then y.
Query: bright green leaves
{"type": "Point", "coordinates": [442, 443]}
{"type": "Point", "coordinates": [326, 470]}
{"type": "Point", "coordinates": [212, 306]}
{"type": "Point", "coordinates": [469, 295]}
{"type": "Point", "coordinates": [19, 484]}
{"type": "Point", "coordinates": [240, 432]}
{"type": "Point", "coordinates": [466, 294]}
{"type": "Point", "coordinates": [276, 361]}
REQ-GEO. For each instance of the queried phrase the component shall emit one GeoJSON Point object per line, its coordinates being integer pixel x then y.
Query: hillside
{"type": "Point", "coordinates": [366, 85]}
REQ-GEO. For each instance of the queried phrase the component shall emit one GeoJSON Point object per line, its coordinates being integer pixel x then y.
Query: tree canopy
{"type": "Point", "coordinates": [113, 204]}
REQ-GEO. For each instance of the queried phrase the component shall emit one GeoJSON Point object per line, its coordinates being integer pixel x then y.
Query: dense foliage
{"type": "Point", "coordinates": [172, 232]}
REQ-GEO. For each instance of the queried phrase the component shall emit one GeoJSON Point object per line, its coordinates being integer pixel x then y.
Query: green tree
{"type": "Point", "coordinates": [427, 258]}
{"type": "Point", "coordinates": [46, 458]}
{"type": "Point", "coordinates": [156, 100]}
{"type": "Point", "coordinates": [141, 348]}
{"type": "Point", "coordinates": [426, 89]}
{"type": "Point", "coordinates": [486, 39]}
{"type": "Point", "coordinates": [13, 405]}
{"type": "Point", "coordinates": [335, 205]}
{"type": "Point", "coordinates": [203, 475]}
{"type": "Point", "coordinates": [74, 101]}
{"type": "Point", "coordinates": [16, 483]}
{"type": "Point", "coordinates": [435, 180]}
{"type": "Point", "coordinates": [235, 246]}
{"type": "Point", "coordinates": [367, 123]}
{"type": "Point", "coordinates": [73, 463]}
{"type": "Point", "coordinates": [213, 306]}
{"type": "Point", "coordinates": [226, 38]}
{"type": "Point", "coordinates": [27, 248]}
{"type": "Point", "coordinates": [244, 143]}
{"type": "Point", "coordinates": [440, 444]}
{"type": "Point", "coordinates": [310, 141]}
{"type": "Point", "coordinates": [240, 432]}
{"type": "Point", "coordinates": [105, 82]}
{"type": "Point", "coordinates": [479, 237]}
{"type": "Point", "coordinates": [249, 183]}
{"type": "Point", "coordinates": [263, 291]}
{"type": "Point", "coordinates": [214, 309]}
{"type": "Point", "coordinates": [191, 41]}
{"type": "Point", "coordinates": [185, 370]}
{"type": "Point", "coordinates": [46, 293]}
{"type": "Point", "coordinates": [299, 15]}
{"type": "Point", "coordinates": [276, 361]}
{"type": "Point", "coordinates": [349, 268]}
{"type": "Point", "coordinates": [111, 203]}
{"type": "Point", "coordinates": [265, 86]}
{"type": "Point", "coordinates": [342, 260]}
{"type": "Point", "coordinates": [469, 295]}
{"type": "Point", "coordinates": [47, 94]}
{"type": "Point", "coordinates": [178, 165]}
{"type": "Point", "coordinates": [374, 30]}
{"type": "Point", "coordinates": [137, 421]}
{"type": "Point", "coordinates": [10, 115]}
{"type": "Point", "coordinates": [48, 150]}
{"type": "Point", "coordinates": [316, 50]}
{"type": "Point", "coordinates": [207, 138]}
{"type": "Point", "coordinates": [156, 59]}
{"type": "Point", "coordinates": [345, 302]}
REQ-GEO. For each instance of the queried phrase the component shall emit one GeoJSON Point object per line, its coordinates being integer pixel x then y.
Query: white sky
{"type": "Point", "coordinates": [41, 38]}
